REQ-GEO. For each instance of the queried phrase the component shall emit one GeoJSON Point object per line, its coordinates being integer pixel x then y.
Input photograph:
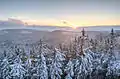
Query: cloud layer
{"type": "Point", "coordinates": [11, 23]}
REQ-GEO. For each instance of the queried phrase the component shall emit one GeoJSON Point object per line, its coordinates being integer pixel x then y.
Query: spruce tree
{"type": "Point", "coordinates": [69, 70]}
{"type": "Point", "coordinates": [42, 70]}
{"type": "Point", "coordinates": [56, 65]}
{"type": "Point", "coordinates": [5, 68]}
{"type": "Point", "coordinates": [17, 69]}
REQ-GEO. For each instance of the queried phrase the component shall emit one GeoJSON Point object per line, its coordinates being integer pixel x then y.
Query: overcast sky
{"type": "Point", "coordinates": [54, 12]}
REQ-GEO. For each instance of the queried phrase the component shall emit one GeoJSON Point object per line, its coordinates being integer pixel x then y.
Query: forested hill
{"type": "Point", "coordinates": [81, 58]}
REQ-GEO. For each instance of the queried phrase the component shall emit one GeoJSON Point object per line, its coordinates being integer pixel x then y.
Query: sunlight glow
{"type": "Point", "coordinates": [71, 21]}
{"type": "Point", "coordinates": [74, 27]}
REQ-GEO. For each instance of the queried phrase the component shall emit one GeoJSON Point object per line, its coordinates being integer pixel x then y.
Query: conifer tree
{"type": "Point", "coordinates": [56, 65]}
{"type": "Point", "coordinates": [42, 70]}
{"type": "Point", "coordinates": [17, 69]}
{"type": "Point", "coordinates": [69, 70]}
{"type": "Point", "coordinates": [5, 68]}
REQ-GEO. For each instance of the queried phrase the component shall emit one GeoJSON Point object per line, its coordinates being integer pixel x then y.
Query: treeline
{"type": "Point", "coordinates": [83, 58]}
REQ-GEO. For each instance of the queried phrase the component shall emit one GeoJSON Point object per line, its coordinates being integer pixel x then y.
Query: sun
{"type": "Point", "coordinates": [74, 27]}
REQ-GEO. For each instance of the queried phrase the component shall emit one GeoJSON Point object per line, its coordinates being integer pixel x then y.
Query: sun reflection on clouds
{"type": "Point", "coordinates": [71, 21]}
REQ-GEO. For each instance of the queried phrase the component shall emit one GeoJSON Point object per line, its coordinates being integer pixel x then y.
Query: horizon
{"type": "Point", "coordinates": [17, 22]}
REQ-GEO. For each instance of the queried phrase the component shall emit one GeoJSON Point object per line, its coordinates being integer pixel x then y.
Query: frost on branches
{"type": "Point", "coordinates": [85, 59]}
{"type": "Point", "coordinates": [56, 65]}
{"type": "Point", "coordinates": [42, 67]}
{"type": "Point", "coordinates": [5, 68]}
{"type": "Point", "coordinates": [69, 70]}
{"type": "Point", "coordinates": [17, 69]}
{"type": "Point", "coordinates": [83, 66]}
{"type": "Point", "coordinates": [113, 69]}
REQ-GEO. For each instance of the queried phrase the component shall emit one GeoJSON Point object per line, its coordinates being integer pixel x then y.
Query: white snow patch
{"type": "Point", "coordinates": [25, 32]}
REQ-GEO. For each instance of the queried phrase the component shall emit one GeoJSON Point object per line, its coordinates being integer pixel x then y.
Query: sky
{"type": "Point", "coordinates": [62, 12]}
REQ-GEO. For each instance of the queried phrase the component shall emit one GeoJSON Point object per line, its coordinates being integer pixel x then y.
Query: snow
{"type": "Point", "coordinates": [114, 68]}
{"type": "Point", "coordinates": [17, 69]}
{"type": "Point", "coordinates": [42, 68]}
{"type": "Point", "coordinates": [25, 32]}
{"type": "Point", "coordinates": [56, 65]}
{"type": "Point", "coordinates": [42, 62]}
{"type": "Point", "coordinates": [69, 70]}
{"type": "Point", "coordinates": [5, 68]}
{"type": "Point", "coordinates": [83, 65]}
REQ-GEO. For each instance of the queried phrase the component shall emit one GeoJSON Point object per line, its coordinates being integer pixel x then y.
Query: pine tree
{"type": "Point", "coordinates": [113, 70]}
{"type": "Point", "coordinates": [42, 71]}
{"type": "Point", "coordinates": [56, 65]}
{"type": "Point", "coordinates": [5, 68]}
{"type": "Point", "coordinates": [112, 40]}
{"type": "Point", "coordinates": [69, 70]}
{"type": "Point", "coordinates": [111, 55]}
{"type": "Point", "coordinates": [75, 47]}
{"type": "Point", "coordinates": [106, 46]}
{"type": "Point", "coordinates": [83, 65]}
{"type": "Point", "coordinates": [100, 65]}
{"type": "Point", "coordinates": [112, 46]}
{"type": "Point", "coordinates": [28, 65]}
{"type": "Point", "coordinates": [17, 69]}
{"type": "Point", "coordinates": [82, 42]}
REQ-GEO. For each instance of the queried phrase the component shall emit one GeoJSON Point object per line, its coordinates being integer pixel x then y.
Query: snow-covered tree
{"type": "Point", "coordinates": [106, 46]}
{"type": "Point", "coordinates": [5, 68]}
{"type": "Point", "coordinates": [113, 70]}
{"type": "Point", "coordinates": [42, 71]}
{"type": "Point", "coordinates": [112, 45]}
{"type": "Point", "coordinates": [28, 66]}
{"type": "Point", "coordinates": [69, 70]}
{"type": "Point", "coordinates": [75, 47]}
{"type": "Point", "coordinates": [56, 65]}
{"type": "Point", "coordinates": [85, 59]}
{"type": "Point", "coordinates": [100, 63]}
{"type": "Point", "coordinates": [83, 66]}
{"type": "Point", "coordinates": [17, 69]}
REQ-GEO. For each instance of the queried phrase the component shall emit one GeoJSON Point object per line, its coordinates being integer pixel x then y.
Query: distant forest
{"type": "Point", "coordinates": [82, 58]}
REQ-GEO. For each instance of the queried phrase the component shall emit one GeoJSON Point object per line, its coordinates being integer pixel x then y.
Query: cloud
{"type": "Point", "coordinates": [11, 23]}
{"type": "Point", "coordinates": [16, 21]}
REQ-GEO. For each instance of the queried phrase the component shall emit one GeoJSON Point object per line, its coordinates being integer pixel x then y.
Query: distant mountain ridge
{"type": "Point", "coordinates": [18, 24]}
